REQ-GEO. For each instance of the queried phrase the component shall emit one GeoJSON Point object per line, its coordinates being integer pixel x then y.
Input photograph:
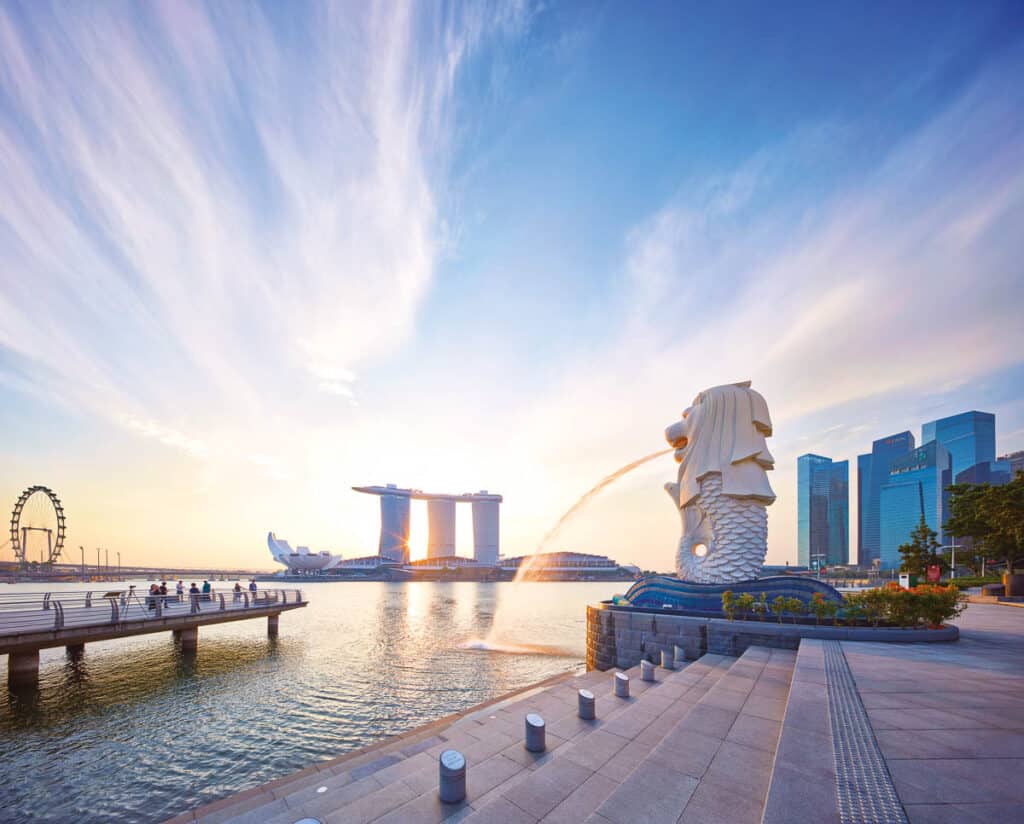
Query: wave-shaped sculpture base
{"type": "Point", "coordinates": [661, 591]}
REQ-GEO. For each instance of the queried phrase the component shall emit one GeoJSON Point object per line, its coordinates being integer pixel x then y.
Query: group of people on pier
{"type": "Point", "coordinates": [159, 592]}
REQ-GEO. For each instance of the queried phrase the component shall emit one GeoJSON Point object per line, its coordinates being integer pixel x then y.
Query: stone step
{"type": "Point", "coordinates": [576, 777]}
{"type": "Point", "coordinates": [369, 784]}
{"type": "Point", "coordinates": [803, 780]}
{"type": "Point", "coordinates": [715, 762]}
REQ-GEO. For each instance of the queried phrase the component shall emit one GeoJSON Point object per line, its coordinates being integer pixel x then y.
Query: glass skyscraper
{"type": "Point", "coordinates": [916, 486]}
{"type": "Point", "coordinates": [970, 438]}
{"type": "Point", "coordinates": [823, 511]}
{"type": "Point", "coordinates": [872, 475]}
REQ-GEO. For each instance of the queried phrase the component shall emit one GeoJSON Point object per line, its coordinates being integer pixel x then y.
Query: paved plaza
{"type": "Point", "coordinates": [836, 732]}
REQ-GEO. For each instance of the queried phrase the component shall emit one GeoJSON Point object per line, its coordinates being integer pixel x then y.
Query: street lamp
{"type": "Point", "coordinates": [83, 560]}
{"type": "Point", "coordinates": [119, 578]}
{"type": "Point", "coordinates": [98, 562]}
{"type": "Point", "coordinates": [952, 559]}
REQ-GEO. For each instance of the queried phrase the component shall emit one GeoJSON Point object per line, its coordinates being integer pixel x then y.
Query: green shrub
{"type": "Point", "coordinates": [900, 607]}
{"type": "Point", "coordinates": [926, 604]}
{"type": "Point", "coordinates": [854, 608]}
{"type": "Point", "coordinates": [822, 608]}
{"type": "Point", "coordinates": [936, 605]}
{"type": "Point", "coordinates": [779, 606]}
{"type": "Point", "coordinates": [745, 604]}
{"type": "Point", "coordinates": [876, 602]}
{"type": "Point", "coordinates": [975, 581]}
{"type": "Point", "coordinates": [729, 604]}
{"type": "Point", "coordinates": [795, 607]}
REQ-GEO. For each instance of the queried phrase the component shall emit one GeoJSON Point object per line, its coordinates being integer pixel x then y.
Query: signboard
{"type": "Point", "coordinates": [934, 573]}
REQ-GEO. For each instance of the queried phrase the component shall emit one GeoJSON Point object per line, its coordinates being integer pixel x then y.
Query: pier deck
{"type": "Point", "coordinates": [838, 732]}
{"type": "Point", "coordinates": [30, 622]}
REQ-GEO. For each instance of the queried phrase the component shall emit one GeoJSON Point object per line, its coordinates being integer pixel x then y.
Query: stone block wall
{"type": "Point", "coordinates": [623, 637]}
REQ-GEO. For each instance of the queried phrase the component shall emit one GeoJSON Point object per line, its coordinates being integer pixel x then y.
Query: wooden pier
{"type": "Point", "coordinates": [30, 622]}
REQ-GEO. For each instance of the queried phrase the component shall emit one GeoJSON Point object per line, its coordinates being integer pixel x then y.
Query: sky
{"type": "Point", "coordinates": [252, 255]}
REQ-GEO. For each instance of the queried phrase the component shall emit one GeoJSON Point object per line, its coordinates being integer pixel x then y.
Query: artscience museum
{"type": "Point", "coordinates": [302, 560]}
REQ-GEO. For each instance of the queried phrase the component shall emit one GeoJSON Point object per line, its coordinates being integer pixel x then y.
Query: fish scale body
{"type": "Point", "coordinates": [739, 529]}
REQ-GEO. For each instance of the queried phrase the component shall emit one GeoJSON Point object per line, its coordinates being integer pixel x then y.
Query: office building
{"type": "Point", "coordinates": [915, 487]}
{"type": "Point", "coordinates": [823, 511]}
{"type": "Point", "coordinates": [970, 438]}
{"type": "Point", "coordinates": [872, 475]}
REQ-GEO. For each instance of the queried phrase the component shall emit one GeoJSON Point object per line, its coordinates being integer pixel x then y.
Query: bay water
{"type": "Point", "coordinates": [137, 731]}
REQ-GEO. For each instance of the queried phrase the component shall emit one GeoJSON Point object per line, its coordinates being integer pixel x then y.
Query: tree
{"type": "Point", "coordinates": [921, 551]}
{"type": "Point", "coordinates": [992, 516]}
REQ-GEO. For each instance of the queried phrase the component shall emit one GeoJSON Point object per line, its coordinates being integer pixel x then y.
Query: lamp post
{"type": "Point", "coordinates": [83, 560]}
{"type": "Point", "coordinates": [119, 578]}
{"type": "Point", "coordinates": [98, 573]}
{"type": "Point", "coordinates": [952, 559]}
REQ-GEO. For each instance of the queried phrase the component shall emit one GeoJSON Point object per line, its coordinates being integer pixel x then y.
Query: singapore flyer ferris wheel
{"type": "Point", "coordinates": [37, 526]}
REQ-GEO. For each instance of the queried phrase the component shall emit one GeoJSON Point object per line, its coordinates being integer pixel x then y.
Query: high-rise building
{"type": "Point", "coordinates": [872, 474]}
{"type": "Point", "coordinates": [823, 511]}
{"type": "Point", "coordinates": [916, 487]}
{"type": "Point", "coordinates": [970, 438]}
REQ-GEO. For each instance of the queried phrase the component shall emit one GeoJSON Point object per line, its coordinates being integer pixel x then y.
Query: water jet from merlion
{"type": "Point", "coordinates": [492, 642]}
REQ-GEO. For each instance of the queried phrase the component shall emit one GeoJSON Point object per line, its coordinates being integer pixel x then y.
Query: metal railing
{"type": "Point", "coordinates": [43, 611]}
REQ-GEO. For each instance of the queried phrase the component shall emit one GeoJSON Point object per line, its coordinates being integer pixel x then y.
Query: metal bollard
{"type": "Point", "coordinates": [585, 708]}
{"type": "Point", "coordinates": [679, 655]}
{"type": "Point", "coordinates": [535, 733]}
{"type": "Point", "coordinates": [452, 788]}
{"type": "Point", "coordinates": [646, 671]}
{"type": "Point", "coordinates": [622, 685]}
{"type": "Point", "coordinates": [666, 660]}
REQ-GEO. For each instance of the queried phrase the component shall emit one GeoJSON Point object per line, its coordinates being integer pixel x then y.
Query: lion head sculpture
{"type": "Point", "coordinates": [722, 489]}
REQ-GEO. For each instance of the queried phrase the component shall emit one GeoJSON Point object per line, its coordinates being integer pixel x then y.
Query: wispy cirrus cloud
{"type": "Point", "coordinates": [205, 209]}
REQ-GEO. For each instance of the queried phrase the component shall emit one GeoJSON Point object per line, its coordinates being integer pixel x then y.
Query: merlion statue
{"type": "Point", "coordinates": [722, 492]}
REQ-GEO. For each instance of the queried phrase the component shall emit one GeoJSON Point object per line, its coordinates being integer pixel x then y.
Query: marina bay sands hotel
{"type": "Point", "coordinates": [394, 523]}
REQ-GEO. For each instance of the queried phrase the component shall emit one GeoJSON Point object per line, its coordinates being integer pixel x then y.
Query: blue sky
{"type": "Point", "coordinates": [251, 255]}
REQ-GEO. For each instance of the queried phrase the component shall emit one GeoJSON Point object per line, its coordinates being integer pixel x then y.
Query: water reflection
{"type": "Point", "coordinates": [364, 661]}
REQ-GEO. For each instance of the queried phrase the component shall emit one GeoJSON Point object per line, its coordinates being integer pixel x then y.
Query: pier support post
{"type": "Point", "coordinates": [23, 668]}
{"type": "Point", "coordinates": [189, 638]}
{"type": "Point", "coordinates": [272, 625]}
{"type": "Point", "coordinates": [74, 650]}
